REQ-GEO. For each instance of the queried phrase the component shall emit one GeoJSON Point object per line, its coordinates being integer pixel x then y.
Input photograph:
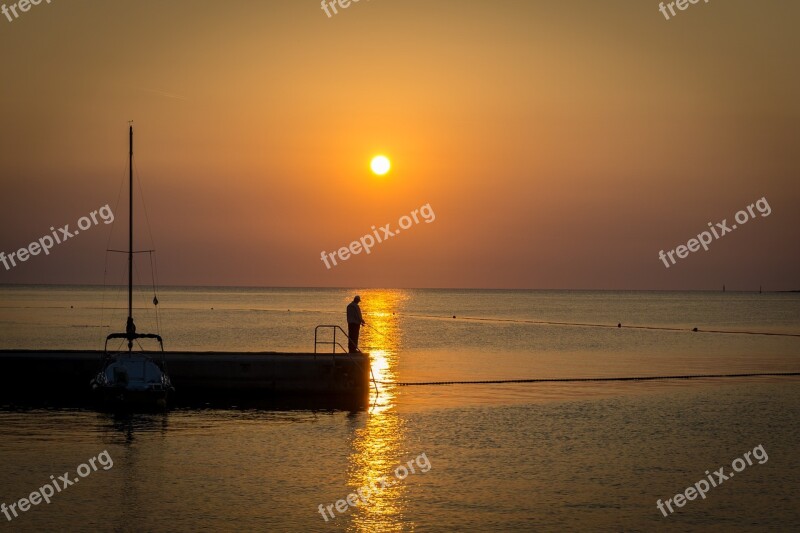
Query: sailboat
{"type": "Point", "coordinates": [128, 378]}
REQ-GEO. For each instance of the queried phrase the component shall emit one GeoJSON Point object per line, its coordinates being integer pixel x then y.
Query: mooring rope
{"type": "Point", "coordinates": [570, 380]}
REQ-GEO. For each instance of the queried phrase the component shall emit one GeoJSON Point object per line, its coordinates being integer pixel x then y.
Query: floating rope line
{"type": "Point", "coordinates": [478, 319]}
{"type": "Point", "coordinates": [572, 380]}
{"type": "Point", "coordinates": [590, 325]}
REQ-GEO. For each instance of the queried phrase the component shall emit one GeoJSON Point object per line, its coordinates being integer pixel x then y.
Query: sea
{"type": "Point", "coordinates": [547, 446]}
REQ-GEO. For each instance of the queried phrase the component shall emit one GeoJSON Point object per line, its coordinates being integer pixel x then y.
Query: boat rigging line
{"type": "Point", "coordinates": [131, 170]}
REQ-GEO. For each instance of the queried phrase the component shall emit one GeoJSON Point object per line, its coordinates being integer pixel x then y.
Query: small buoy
{"type": "Point", "coordinates": [694, 329]}
{"type": "Point", "coordinates": [212, 308]}
{"type": "Point", "coordinates": [70, 307]}
{"type": "Point", "coordinates": [454, 316]}
{"type": "Point", "coordinates": [619, 325]}
{"type": "Point", "coordinates": [155, 300]}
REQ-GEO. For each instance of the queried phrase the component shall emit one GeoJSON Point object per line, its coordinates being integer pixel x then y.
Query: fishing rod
{"type": "Point", "coordinates": [376, 331]}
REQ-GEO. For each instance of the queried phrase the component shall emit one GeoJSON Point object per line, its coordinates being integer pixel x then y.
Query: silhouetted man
{"type": "Point", "coordinates": [354, 323]}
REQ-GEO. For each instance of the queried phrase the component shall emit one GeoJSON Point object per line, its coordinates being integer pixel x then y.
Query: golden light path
{"type": "Point", "coordinates": [378, 447]}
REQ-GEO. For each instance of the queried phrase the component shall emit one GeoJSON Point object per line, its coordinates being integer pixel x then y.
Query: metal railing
{"type": "Point", "coordinates": [333, 342]}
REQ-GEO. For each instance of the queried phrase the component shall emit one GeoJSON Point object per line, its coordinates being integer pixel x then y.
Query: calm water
{"type": "Point", "coordinates": [516, 457]}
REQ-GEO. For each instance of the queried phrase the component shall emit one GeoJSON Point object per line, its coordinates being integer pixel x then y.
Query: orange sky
{"type": "Point", "coordinates": [560, 144]}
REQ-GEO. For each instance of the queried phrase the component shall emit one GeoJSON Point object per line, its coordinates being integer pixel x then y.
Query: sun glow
{"type": "Point", "coordinates": [380, 165]}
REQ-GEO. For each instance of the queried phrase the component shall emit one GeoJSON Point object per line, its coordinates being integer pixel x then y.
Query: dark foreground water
{"type": "Point", "coordinates": [518, 457]}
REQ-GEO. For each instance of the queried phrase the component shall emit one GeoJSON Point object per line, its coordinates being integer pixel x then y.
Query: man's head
{"type": "Point", "coordinates": [357, 298]}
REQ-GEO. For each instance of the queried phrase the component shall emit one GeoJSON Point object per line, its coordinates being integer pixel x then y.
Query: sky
{"type": "Point", "coordinates": [560, 145]}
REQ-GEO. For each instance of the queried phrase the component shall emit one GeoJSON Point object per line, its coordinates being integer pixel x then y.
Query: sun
{"type": "Point", "coordinates": [380, 165]}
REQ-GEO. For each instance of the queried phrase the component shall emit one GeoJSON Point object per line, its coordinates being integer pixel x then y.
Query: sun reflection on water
{"type": "Point", "coordinates": [378, 446]}
{"type": "Point", "coordinates": [381, 337]}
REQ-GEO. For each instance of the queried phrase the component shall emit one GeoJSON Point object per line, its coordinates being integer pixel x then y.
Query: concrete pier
{"type": "Point", "coordinates": [195, 375]}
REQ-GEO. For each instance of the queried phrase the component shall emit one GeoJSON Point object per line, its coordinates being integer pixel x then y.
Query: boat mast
{"type": "Point", "coordinates": [130, 328]}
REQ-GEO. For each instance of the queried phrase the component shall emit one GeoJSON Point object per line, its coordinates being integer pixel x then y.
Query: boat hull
{"type": "Point", "coordinates": [119, 398]}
